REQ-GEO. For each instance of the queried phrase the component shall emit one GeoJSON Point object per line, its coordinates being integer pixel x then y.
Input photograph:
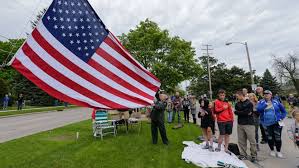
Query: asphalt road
{"type": "Point", "coordinates": [24, 125]}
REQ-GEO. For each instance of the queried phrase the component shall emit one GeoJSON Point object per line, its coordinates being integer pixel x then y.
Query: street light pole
{"type": "Point", "coordinates": [249, 62]}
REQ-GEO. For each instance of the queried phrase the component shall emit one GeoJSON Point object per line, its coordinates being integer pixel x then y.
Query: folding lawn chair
{"type": "Point", "coordinates": [102, 125]}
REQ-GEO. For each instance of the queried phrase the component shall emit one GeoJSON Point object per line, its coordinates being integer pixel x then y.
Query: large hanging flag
{"type": "Point", "coordinates": [73, 57]}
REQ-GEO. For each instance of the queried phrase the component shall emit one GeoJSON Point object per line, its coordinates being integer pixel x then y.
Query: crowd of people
{"type": "Point", "coordinates": [256, 112]}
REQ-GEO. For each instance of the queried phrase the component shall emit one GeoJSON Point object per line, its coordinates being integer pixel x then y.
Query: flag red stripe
{"type": "Point", "coordinates": [115, 78]}
{"type": "Point", "coordinates": [102, 53]}
{"type": "Point", "coordinates": [129, 58]}
{"type": "Point", "coordinates": [41, 84]}
{"type": "Point", "coordinates": [76, 69]}
{"type": "Point", "coordinates": [64, 80]}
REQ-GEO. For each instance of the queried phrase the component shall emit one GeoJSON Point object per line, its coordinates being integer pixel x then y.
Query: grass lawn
{"type": "Point", "coordinates": [33, 110]}
{"type": "Point", "coordinates": [58, 148]}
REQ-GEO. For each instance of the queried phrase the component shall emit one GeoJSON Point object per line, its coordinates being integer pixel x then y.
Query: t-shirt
{"type": "Point", "coordinates": [269, 116]}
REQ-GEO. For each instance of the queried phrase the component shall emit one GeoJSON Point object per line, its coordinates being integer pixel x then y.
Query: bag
{"type": "Point", "coordinates": [234, 148]}
{"type": "Point", "coordinates": [297, 136]}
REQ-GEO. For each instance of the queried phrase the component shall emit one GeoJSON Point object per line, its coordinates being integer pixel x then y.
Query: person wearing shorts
{"type": "Point", "coordinates": [225, 128]}
{"type": "Point", "coordinates": [225, 119]}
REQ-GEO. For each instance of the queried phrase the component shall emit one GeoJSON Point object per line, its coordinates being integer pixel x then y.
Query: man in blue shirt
{"type": "Point", "coordinates": [5, 102]}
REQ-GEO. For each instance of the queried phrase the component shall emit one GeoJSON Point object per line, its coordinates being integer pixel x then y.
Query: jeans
{"type": "Point", "coordinates": [179, 116]}
{"type": "Point", "coordinates": [169, 116]}
{"type": "Point", "coordinates": [5, 104]}
{"type": "Point", "coordinates": [247, 132]}
{"type": "Point", "coordinates": [273, 133]}
{"type": "Point", "coordinates": [264, 136]}
{"type": "Point", "coordinates": [257, 125]}
{"type": "Point", "coordinates": [186, 114]}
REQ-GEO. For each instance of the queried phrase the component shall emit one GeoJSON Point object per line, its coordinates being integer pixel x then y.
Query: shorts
{"type": "Point", "coordinates": [225, 128]}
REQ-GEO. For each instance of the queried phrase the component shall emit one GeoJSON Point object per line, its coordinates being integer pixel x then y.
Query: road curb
{"type": "Point", "coordinates": [15, 115]}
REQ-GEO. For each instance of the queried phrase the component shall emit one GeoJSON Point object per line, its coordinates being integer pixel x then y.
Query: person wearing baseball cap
{"type": "Point", "coordinates": [272, 112]}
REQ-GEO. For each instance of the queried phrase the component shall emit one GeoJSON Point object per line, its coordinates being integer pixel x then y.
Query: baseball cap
{"type": "Point", "coordinates": [267, 92]}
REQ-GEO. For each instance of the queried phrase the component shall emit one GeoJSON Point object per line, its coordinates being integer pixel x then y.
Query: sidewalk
{"type": "Point", "coordinates": [288, 149]}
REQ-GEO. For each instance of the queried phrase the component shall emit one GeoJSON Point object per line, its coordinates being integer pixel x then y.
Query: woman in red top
{"type": "Point", "coordinates": [225, 119]}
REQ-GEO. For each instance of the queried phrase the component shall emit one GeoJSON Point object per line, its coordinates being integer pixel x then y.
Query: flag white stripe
{"type": "Point", "coordinates": [111, 36]}
{"type": "Point", "coordinates": [77, 61]}
{"type": "Point", "coordinates": [76, 78]}
{"type": "Point", "coordinates": [26, 62]}
{"type": "Point", "coordinates": [121, 74]}
{"type": "Point", "coordinates": [128, 64]}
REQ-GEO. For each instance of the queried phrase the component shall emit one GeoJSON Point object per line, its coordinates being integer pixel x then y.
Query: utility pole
{"type": "Point", "coordinates": [207, 49]}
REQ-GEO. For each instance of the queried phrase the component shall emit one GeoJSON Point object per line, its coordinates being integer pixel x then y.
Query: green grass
{"type": "Point", "coordinates": [26, 107]}
{"type": "Point", "coordinates": [33, 110]}
{"type": "Point", "coordinates": [59, 149]}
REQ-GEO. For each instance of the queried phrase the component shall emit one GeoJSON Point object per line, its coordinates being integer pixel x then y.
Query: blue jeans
{"type": "Point", "coordinates": [169, 116]}
{"type": "Point", "coordinates": [5, 104]}
{"type": "Point", "coordinates": [179, 116]}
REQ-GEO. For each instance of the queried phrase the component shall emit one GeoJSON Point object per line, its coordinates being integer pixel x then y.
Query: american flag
{"type": "Point", "coordinates": [73, 57]}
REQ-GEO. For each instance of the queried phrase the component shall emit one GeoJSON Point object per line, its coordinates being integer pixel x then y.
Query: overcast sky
{"type": "Point", "coordinates": [269, 27]}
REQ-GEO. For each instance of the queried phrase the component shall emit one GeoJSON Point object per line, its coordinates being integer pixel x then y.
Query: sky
{"type": "Point", "coordinates": [269, 27]}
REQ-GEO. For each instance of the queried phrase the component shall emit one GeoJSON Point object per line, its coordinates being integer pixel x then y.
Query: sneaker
{"type": "Point", "coordinates": [206, 147]}
{"type": "Point", "coordinates": [218, 149]}
{"type": "Point", "coordinates": [279, 155]}
{"type": "Point", "coordinates": [272, 153]}
{"type": "Point", "coordinates": [211, 149]}
{"type": "Point", "coordinates": [241, 157]}
{"type": "Point", "coordinates": [263, 142]}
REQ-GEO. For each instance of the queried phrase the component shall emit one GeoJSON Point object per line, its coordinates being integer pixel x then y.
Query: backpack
{"type": "Point", "coordinates": [234, 148]}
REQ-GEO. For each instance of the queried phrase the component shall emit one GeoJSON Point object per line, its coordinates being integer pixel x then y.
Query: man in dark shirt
{"type": "Point", "coordinates": [157, 119]}
{"type": "Point", "coordinates": [20, 102]}
{"type": "Point", "coordinates": [246, 128]}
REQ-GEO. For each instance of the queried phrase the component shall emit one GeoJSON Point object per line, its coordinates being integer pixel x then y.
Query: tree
{"type": "Point", "coordinates": [171, 59]}
{"type": "Point", "coordinates": [31, 92]}
{"type": "Point", "coordinates": [287, 67]}
{"type": "Point", "coordinates": [3, 88]}
{"type": "Point", "coordinates": [16, 83]}
{"type": "Point", "coordinates": [230, 79]}
{"type": "Point", "coordinates": [269, 82]}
